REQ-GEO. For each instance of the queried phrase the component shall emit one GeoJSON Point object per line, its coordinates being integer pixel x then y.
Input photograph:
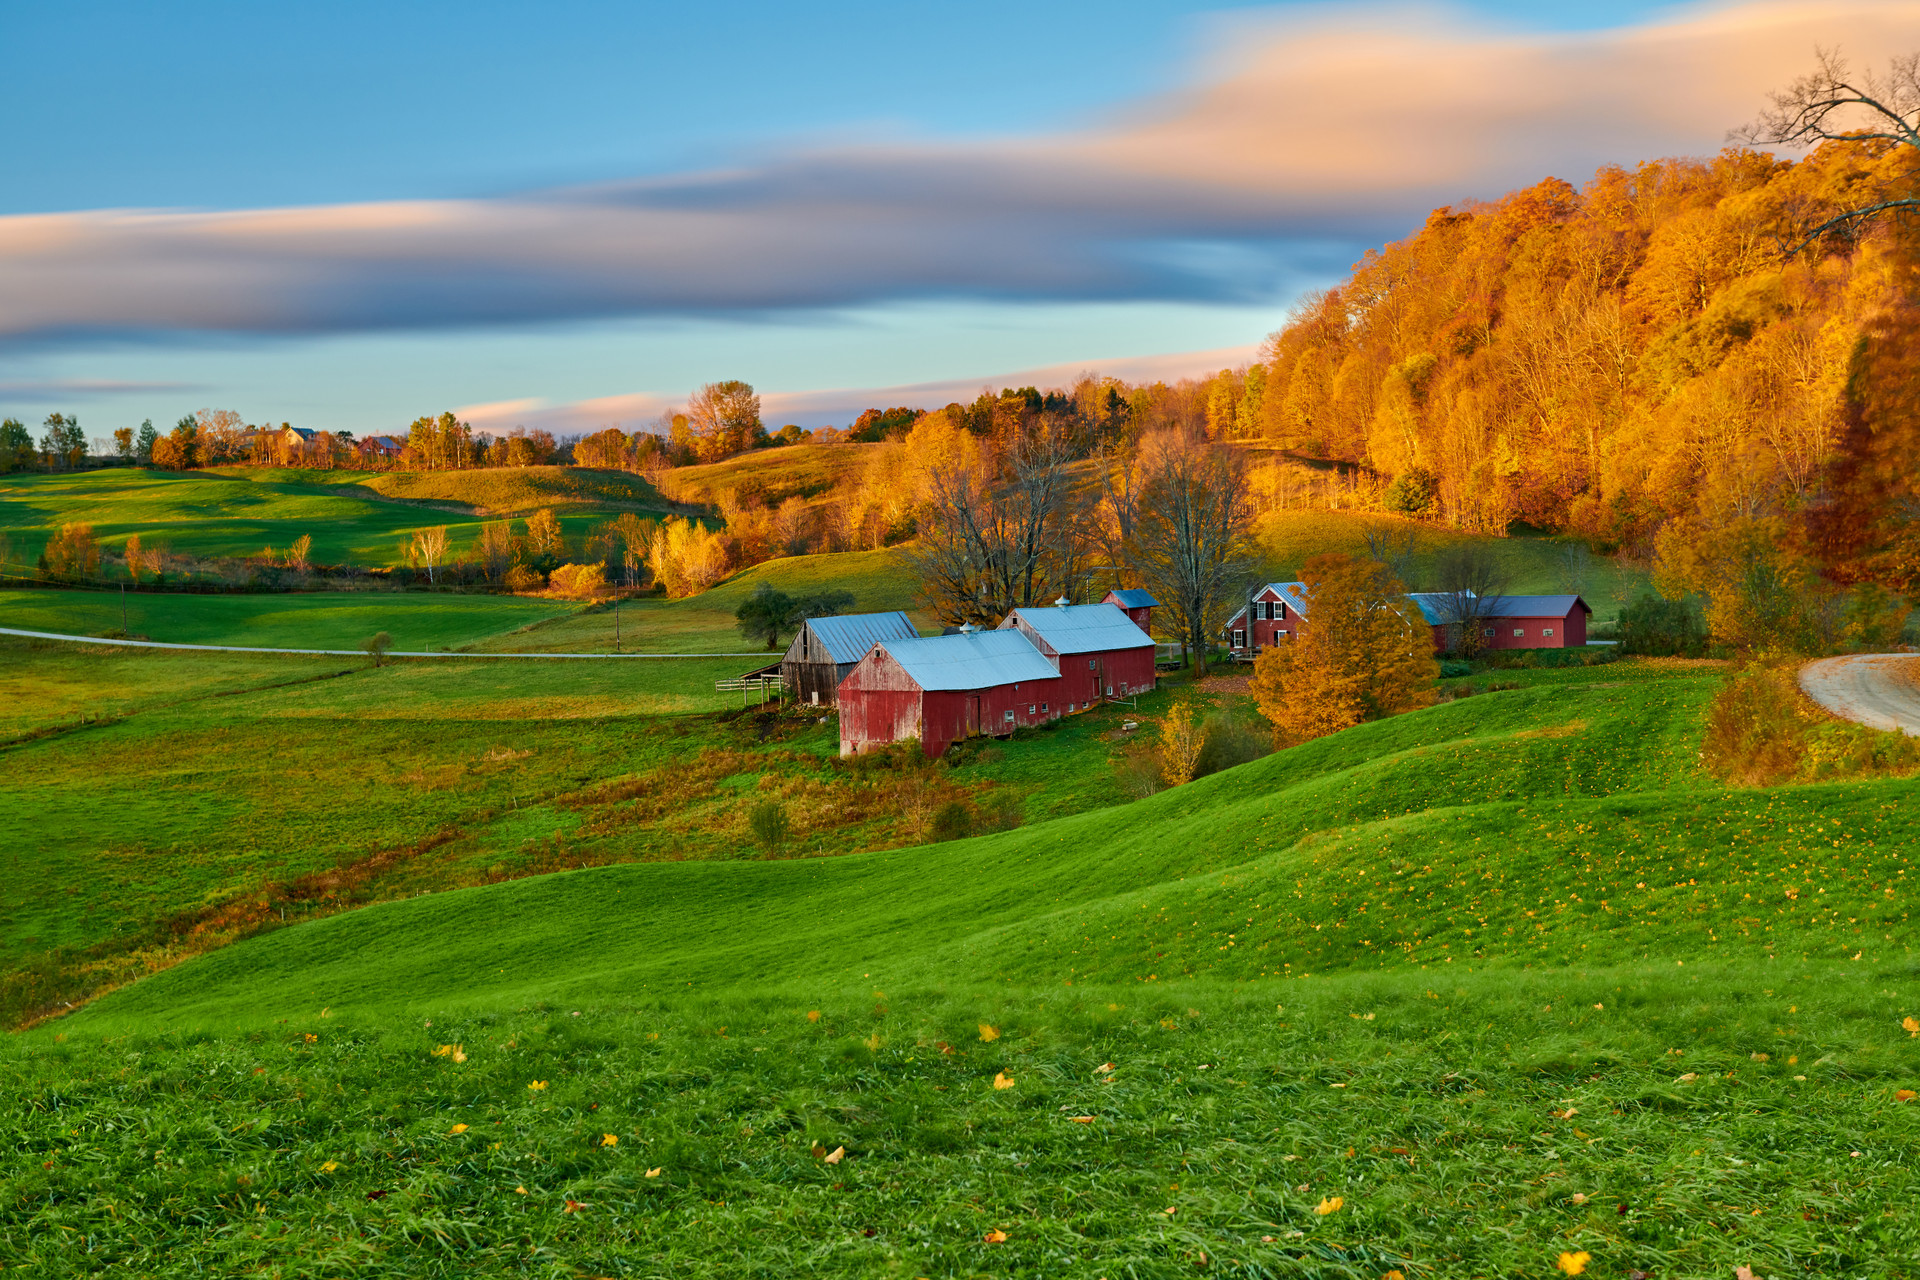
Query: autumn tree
{"type": "Point", "coordinates": [686, 557]}
{"type": "Point", "coordinates": [123, 443]}
{"type": "Point", "coordinates": [724, 418]}
{"type": "Point", "coordinates": [545, 539]}
{"type": "Point", "coordinates": [1182, 740]}
{"type": "Point", "coordinates": [1363, 652]}
{"type": "Point", "coordinates": [1471, 583]}
{"type": "Point", "coordinates": [299, 555]}
{"type": "Point", "coordinates": [179, 449]}
{"type": "Point", "coordinates": [73, 552]}
{"type": "Point", "coordinates": [1189, 545]}
{"type": "Point", "coordinates": [64, 443]}
{"type": "Point", "coordinates": [429, 548]}
{"type": "Point", "coordinates": [376, 647]}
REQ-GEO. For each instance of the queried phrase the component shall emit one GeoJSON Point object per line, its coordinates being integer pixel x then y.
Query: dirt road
{"type": "Point", "coordinates": [1880, 689]}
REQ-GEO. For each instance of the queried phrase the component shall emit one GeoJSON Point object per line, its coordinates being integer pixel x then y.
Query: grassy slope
{"type": "Point", "coordinates": [287, 620]}
{"type": "Point", "coordinates": [808, 471]}
{"type": "Point", "coordinates": [1496, 1058]}
{"type": "Point", "coordinates": [353, 517]}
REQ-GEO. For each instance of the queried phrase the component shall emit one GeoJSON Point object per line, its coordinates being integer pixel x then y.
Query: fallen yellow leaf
{"type": "Point", "coordinates": [1910, 1025]}
{"type": "Point", "coordinates": [1331, 1204]}
{"type": "Point", "coordinates": [537, 1085]}
{"type": "Point", "coordinates": [609, 1140]}
{"type": "Point", "coordinates": [989, 1033]}
{"type": "Point", "coordinates": [1574, 1263]}
{"type": "Point", "coordinates": [443, 1051]}
{"type": "Point", "coordinates": [329, 1166]}
{"type": "Point", "coordinates": [573, 1206]}
{"type": "Point", "coordinates": [1082, 1119]}
{"type": "Point", "coordinates": [459, 1128]}
{"type": "Point", "coordinates": [459, 1054]}
{"type": "Point", "coordinates": [995, 1236]}
{"type": "Point", "coordinates": [813, 1015]}
{"type": "Point", "coordinates": [1903, 1095]}
{"type": "Point", "coordinates": [872, 1042]}
{"type": "Point", "coordinates": [836, 1155]}
{"type": "Point", "coordinates": [1393, 1275]}
{"type": "Point", "coordinates": [1001, 1080]}
{"type": "Point", "coordinates": [519, 1191]}
{"type": "Point", "coordinates": [312, 1038]}
{"type": "Point", "coordinates": [653, 1173]}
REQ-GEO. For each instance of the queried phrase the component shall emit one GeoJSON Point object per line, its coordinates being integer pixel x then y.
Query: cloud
{"type": "Point", "coordinates": [840, 405]}
{"type": "Point", "coordinates": [1335, 128]}
{"type": "Point", "coordinates": [47, 389]}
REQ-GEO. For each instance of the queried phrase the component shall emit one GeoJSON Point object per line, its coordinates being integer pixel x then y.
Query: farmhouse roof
{"type": "Point", "coordinates": [1081, 628]}
{"type": "Point", "coordinates": [1293, 593]}
{"type": "Point", "coordinates": [972, 660]}
{"type": "Point", "coordinates": [848, 637]}
{"type": "Point", "coordinates": [1134, 598]}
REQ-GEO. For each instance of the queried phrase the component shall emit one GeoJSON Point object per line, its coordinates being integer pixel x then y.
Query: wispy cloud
{"type": "Point", "coordinates": [84, 388]}
{"type": "Point", "coordinates": [1338, 126]}
{"type": "Point", "coordinates": [839, 405]}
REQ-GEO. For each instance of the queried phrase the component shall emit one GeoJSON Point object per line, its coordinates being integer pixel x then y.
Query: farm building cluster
{"type": "Point", "coordinates": [892, 684]}
{"type": "Point", "coordinates": [1506, 622]}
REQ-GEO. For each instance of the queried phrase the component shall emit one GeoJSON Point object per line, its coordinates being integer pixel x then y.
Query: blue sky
{"type": "Point", "coordinates": [352, 214]}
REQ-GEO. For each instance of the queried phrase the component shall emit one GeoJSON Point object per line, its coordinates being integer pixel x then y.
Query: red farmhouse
{"type": "Point", "coordinates": [941, 689]}
{"type": "Point", "coordinates": [1278, 608]}
{"type": "Point", "coordinates": [1098, 651]}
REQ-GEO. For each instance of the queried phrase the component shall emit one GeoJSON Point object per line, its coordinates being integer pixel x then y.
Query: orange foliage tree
{"type": "Point", "coordinates": [1363, 652]}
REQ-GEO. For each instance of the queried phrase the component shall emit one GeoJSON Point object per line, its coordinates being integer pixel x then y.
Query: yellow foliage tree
{"type": "Point", "coordinates": [1363, 652]}
{"type": "Point", "coordinates": [73, 552]}
{"type": "Point", "coordinates": [686, 557]}
{"type": "Point", "coordinates": [1181, 741]}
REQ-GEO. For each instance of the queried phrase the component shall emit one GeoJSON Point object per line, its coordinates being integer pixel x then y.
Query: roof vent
{"type": "Point", "coordinates": [967, 628]}
{"type": "Point", "coordinates": [1062, 603]}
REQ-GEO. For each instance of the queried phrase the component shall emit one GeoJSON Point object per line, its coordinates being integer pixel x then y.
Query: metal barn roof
{"type": "Point", "coordinates": [971, 660]}
{"type": "Point", "coordinates": [1081, 628]}
{"type": "Point", "coordinates": [1439, 606]}
{"type": "Point", "coordinates": [848, 638]}
{"type": "Point", "coordinates": [1134, 598]}
{"type": "Point", "coordinates": [1294, 593]}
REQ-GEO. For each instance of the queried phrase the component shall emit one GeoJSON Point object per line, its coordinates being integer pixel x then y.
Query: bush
{"type": "Point", "coordinates": [1000, 811]}
{"type": "Point", "coordinates": [770, 825]}
{"type": "Point", "coordinates": [1762, 730]}
{"type": "Point", "coordinates": [1231, 739]}
{"type": "Point", "coordinates": [1137, 771]}
{"type": "Point", "coordinates": [1662, 628]}
{"type": "Point", "coordinates": [1454, 668]}
{"type": "Point", "coordinates": [952, 821]}
{"type": "Point", "coordinates": [520, 578]}
{"type": "Point", "coordinates": [578, 581]}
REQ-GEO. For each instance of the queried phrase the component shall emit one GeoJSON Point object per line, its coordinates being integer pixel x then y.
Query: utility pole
{"type": "Point", "coordinates": [123, 611]}
{"type": "Point", "coordinates": [616, 622]}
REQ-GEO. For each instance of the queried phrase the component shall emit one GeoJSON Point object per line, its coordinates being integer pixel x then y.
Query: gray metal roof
{"type": "Point", "coordinates": [1440, 606]}
{"type": "Point", "coordinates": [1294, 593]}
{"type": "Point", "coordinates": [1081, 628]}
{"type": "Point", "coordinates": [971, 660]}
{"type": "Point", "coordinates": [1134, 598]}
{"type": "Point", "coordinates": [849, 637]}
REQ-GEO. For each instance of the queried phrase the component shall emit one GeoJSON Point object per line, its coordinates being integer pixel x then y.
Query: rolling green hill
{"type": "Point", "coordinates": [1458, 993]}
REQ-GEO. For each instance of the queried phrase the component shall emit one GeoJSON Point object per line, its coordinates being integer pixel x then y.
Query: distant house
{"type": "Point", "coordinates": [826, 649]}
{"type": "Point", "coordinates": [1138, 605]}
{"type": "Point", "coordinates": [380, 447]}
{"type": "Point", "coordinates": [1277, 608]}
{"type": "Point", "coordinates": [1510, 622]}
{"type": "Point", "coordinates": [1096, 648]}
{"type": "Point", "coordinates": [941, 689]}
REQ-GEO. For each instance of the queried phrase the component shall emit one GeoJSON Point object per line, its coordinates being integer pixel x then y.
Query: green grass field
{"type": "Point", "coordinates": [353, 517]}
{"type": "Point", "coordinates": [1455, 993]}
{"type": "Point", "coordinates": [809, 471]}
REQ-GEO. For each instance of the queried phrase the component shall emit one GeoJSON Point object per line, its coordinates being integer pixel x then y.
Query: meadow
{"type": "Point", "coordinates": [353, 517]}
{"type": "Point", "coordinates": [1454, 993]}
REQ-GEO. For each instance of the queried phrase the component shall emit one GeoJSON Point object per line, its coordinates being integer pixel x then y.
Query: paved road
{"type": "Point", "coordinates": [346, 653]}
{"type": "Point", "coordinates": [1880, 689]}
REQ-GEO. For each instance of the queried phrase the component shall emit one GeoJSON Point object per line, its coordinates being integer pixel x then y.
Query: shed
{"type": "Point", "coordinates": [1278, 609]}
{"type": "Point", "coordinates": [827, 649]}
{"type": "Point", "coordinates": [1537, 622]}
{"type": "Point", "coordinates": [941, 689]}
{"type": "Point", "coordinates": [1097, 649]}
{"type": "Point", "coordinates": [1137, 604]}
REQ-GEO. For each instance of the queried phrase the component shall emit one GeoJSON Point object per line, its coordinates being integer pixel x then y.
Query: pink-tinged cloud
{"type": "Point", "coordinates": [840, 405]}
{"type": "Point", "coordinates": [1335, 129]}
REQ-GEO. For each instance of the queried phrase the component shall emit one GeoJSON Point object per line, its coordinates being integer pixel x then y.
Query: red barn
{"type": "Point", "coordinates": [1277, 609]}
{"type": "Point", "coordinates": [1096, 648]}
{"type": "Point", "coordinates": [1511, 622]}
{"type": "Point", "coordinates": [941, 689]}
{"type": "Point", "coordinates": [1138, 605]}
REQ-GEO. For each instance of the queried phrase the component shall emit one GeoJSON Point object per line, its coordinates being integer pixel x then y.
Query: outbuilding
{"type": "Point", "coordinates": [1096, 648]}
{"type": "Point", "coordinates": [825, 651]}
{"type": "Point", "coordinates": [941, 689]}
{"type": "Point", "coordinates": [1138, 605]}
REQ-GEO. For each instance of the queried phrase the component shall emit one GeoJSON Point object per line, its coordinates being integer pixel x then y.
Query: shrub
{"type": "Point", "coordinates": [1762, 730]}
{"type": "Point", "coordinates": [520, 579]}
{"type": "Point", "coordinates": [1000, 811]}
{"type": "Point", "coordinates": [1662, 628]}
{"type": "Point", "coordinates": [73, 552]}
{"type": "Point", "coordinates": [952, 821]}
{"type": "Point", "coordinates": [1137, 771]}
{"type": "Point", "coordinates": [1230, 738]}
{"type": "Point", "coordinates": [1454, 668]}
{"type": "Point", "coordinates": [376, 647]}
{"type": "Point", "coordinates": [578, 581]}
{"type": "Point", "coordinates": [770, 825]}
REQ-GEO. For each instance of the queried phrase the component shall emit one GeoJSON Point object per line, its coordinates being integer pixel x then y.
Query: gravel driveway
{"type": "Point", "coordinates": [1880, 689]}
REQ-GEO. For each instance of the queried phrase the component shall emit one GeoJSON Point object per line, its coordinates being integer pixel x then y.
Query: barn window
{"type": "Point", "coordinates": [1488, 633]}
{"type": "Point", "coordinates": [1090, 664]}
{"type": "Point", "coordinates": [1031, 708]}
{"type": "Point", "coordinates": [1546, 631]}
{"type": "Point", "coordinates": [1519, 631]}
{"type": "Point", "coordinates": [1009, 717]}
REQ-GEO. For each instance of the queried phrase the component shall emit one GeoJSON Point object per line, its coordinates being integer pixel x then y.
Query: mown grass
{"type": "Point", "coordinates": [280, 620]}
{"type": "Point", "coordinates": [353, 517]}
{"type": "Point", "coordinates": [808, 471]}
{"type": "Point", "coordinates": [1674, 1122]}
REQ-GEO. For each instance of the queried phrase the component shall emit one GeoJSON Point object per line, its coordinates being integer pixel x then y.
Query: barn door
{"type": "Point", "coordinates": [973, 714]}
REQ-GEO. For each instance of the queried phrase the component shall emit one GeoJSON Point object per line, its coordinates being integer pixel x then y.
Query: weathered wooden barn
{"type": "Point", "coordinates": [826, 650]}
{"type": "Point", "coordinates": [1277, 610]}
{"type": "Point", "coordinates": [1097, 649]}
{"type": "Point", "coordinates": [1138, 605]}
{"type": "Point", "coordinates": [941, 689]}
{"type": "Point", "coordinates": [1509, 622]}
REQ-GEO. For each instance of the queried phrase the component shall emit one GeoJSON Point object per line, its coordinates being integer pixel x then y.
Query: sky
{"type": "Point", "coordinates": [571, 214]}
